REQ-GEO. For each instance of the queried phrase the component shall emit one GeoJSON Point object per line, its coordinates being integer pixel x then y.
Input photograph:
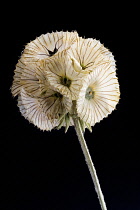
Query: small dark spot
{"type": "Point", "coordinates": [65, 81]}
{"type": "Point", "coordinates": [83, 66]}
{"type": "Point", "coordinates": [53, 52]}
{"type": "Point", "coordinates": [58, 95]}
{"type": "Point", "coordinates": [44, 92]}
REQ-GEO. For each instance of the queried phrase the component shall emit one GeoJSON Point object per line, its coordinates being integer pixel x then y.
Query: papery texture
{"type": "Point", "coordinates": [99, 94]}
{"type": "Point", "coordinates": [43, 112]}
{"type": "Point", "coordinates": [48, 45]}
{"type": "Point", "coordinates": [29, 76]}
{"type": "Point", "coordinates": [62, 76]}
{"type": "Point", "coordinates": [87, 54]}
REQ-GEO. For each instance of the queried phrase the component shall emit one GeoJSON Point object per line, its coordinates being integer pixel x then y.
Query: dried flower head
{"type": "Point", "coordinates": [60, 69]}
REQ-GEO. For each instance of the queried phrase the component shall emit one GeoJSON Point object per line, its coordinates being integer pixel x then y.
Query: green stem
{"type": "Point", "coordinates": [89, 163]}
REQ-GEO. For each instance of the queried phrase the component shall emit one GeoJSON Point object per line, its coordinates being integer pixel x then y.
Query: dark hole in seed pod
{"type": "Point", "coordinates": [53, 52]}
{"type": "Point", "coordinates": [65, 81]}
{"type": "Point", "coordinates": [58, 95]}
{"type": "Point", "coordinates": [83, 66]}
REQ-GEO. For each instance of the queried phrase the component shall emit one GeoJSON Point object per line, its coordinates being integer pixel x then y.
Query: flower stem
{"type": "Point", "coordinates": [89, 163]}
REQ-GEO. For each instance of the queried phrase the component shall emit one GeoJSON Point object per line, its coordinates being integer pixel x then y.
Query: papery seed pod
{"type": "Point", "coordinates": [29, 77]}
{"type": "Point", "coordinates": [48, 45]}
{"type": "Point", "coordinates": [99, 95]}
{"type": "Point", "coordinates": [62, 76]}
{"type": "Point", "coordinates": [43, 112]}
{"type": "Point", "coordinates": [88, 54]}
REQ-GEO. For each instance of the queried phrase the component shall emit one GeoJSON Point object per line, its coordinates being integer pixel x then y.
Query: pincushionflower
{"type": "Point", "coordinates": [99, 95]}
{"type": "Point", "coordinates": [48, 45]}
{"type": "Point", "coordinates": [87, 54]}
{"type": "Point", "coordinates": [63, 80]}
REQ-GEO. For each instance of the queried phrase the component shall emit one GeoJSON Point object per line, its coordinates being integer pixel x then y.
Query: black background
{"type": "Point", "coordinates": [47, 170]}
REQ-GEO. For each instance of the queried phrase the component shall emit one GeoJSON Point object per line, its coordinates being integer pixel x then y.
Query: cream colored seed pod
{"type": "Point", "coordinates": [44, 112]}
{"type": "Point", "coordinates": [88, 54]}
{"type": "Point", "coordinates": [99, 94]}
{"type": "Point", "coordinates": [48, 45]}
{"type": "Point", "coordinates": [30, 109]}
{"type": "Point", "coordinates": [62, 76]}
{"type": "Point", "coordinates": [28, 76]}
